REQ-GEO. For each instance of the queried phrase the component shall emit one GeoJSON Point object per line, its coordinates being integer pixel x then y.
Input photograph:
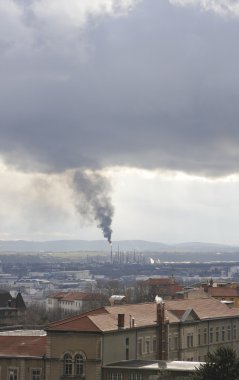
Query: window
{"type": "Point", "coordinates": [211, 335]}
{"type": "Point", "coordinates": [140, 346]}
{"type": "Point", "coordinates": [127, 341]}
{"type": "Point", "coordinates": [12, 374]}
{"type": "Point", "coordinates": [68, 365]}
{"type": "Point", "coordinates": [154, 344]}
{"type": "Point", "coordinates": [205, 336]}
{"type": "Point", "coordinates": [199, 337]}
{"type": "Point", "coordinates": [147, 344]}
{"type": "Point", "coordinates": [189, 340]}
{"type": "Point", "coordinates": [79, 365]}
{"type": "Point", "coordinates": [135, 376]}
{"type": "Point", "coordinates": [228, 332]}
{"type": "Point", "coordinates": [223, 333]}
{"type": "Point", "coordinates": [116, 376]}
{"type": "Point", "coordinates": [217, 334]}
{"type": "Point", "coordinates": [234, 331]}
{"type": "Point", "coordinates": [175, 342]}
{"type": "Point", "coordinates": [127, 353]}
{"type": "Point", "coordinates": [35, 374]}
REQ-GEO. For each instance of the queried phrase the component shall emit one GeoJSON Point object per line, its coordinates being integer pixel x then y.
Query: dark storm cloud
{"type": "Point", "coordinates": [155, 89]}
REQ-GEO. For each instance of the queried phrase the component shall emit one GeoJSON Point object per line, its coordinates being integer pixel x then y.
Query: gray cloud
{"type": "Point", "coordinates": [81, 87]}
{"type": "Point", "coordinates": [222, 7]}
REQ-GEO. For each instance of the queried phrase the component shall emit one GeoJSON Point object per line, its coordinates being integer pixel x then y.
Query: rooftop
{"type": "Point", "coordinates": [156, 365]}
{"type": "Point", "coordinates": [76, 296]}
{"type": "Point", "coordinates": [106, 318]}
{"type": "Point", "coordinates": [223, 291]}
{"type": "Point", "coordinates": [22, 346]}
{"type": "Point", "coordinates": [23, 333]}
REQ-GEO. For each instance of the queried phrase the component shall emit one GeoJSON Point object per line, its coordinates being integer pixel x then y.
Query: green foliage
{"type": "Point", "coordinates": [219, 365]}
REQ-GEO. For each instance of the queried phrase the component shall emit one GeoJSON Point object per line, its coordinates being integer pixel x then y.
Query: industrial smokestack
{"type": "Point", "coordinates": [93, 199]}
{"type": "Point", "coordinates": [111, 253]}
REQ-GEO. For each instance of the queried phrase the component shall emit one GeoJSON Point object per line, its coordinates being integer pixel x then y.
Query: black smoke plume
{"type": "Point", "coordinates": [93, 199]}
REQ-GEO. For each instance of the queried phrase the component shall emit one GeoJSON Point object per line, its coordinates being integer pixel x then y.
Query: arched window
{"type": "Point", "coordinates": [68, 364]}
{"type": "Point", "coordinates": [79, 365]}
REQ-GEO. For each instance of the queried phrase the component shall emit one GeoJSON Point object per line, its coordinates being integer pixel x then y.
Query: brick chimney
{"type": "Point", "coordinates": [160, 313]}
{"type": "Point", "coordinates": [163, 331]}
{"type": "Point", "coordinates": [120, 321]}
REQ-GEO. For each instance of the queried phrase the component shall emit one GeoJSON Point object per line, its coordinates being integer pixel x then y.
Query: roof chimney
{"type": "Point", "coordinates": [120, 321]}
{"type": "Point", "coordinates": [160, 313]}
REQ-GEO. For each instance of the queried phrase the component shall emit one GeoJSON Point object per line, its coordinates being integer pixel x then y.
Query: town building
{"type": "Point", "coordinates": [74, 302]}
{"type": "Point", "coordinates": [88, 345]}
{"type": "Point", "coordinates": [11, 307]}
{"type": "Point", "coordinates": [165, 287]}
{"type": "Point", "coordinates": [191, 293]}
{"type": "Point", "coordinates": [22, 355]}
{"type": "Point", "coordinates": [227, 293]}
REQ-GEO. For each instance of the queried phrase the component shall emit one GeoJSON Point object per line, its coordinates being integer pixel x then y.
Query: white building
{"type": "Point", "coordinates": [74, 302]}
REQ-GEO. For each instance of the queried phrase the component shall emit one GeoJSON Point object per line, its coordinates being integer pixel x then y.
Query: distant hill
{"type": "Point", "coordinates": [123, 245]}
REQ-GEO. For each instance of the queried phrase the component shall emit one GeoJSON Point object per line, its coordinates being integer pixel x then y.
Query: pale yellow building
{"type": "Point", "coordinates": [79, 347]}
{"type": "Point", "coordinates": [175, 330]}
{"type": "Point", "coordinates": [228, 294]}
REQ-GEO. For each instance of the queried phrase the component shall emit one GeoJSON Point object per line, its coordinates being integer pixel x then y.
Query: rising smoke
{"type": "Point", "coordinates": [93, 199]}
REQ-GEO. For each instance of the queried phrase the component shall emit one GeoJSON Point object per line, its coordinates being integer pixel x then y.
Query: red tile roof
{"type": "Point", "coordinates": [77, 296]}
{"type": "Point", "coordinates": [205, 308]}
{"type": "Point", "coordinates": [27, 346]}
{"type": "Point", "coordinates": [106, 319]}
{"type": "Point", "coordinates": [222, 291]}
{"type": "Point", "coordinates": [77, 322]}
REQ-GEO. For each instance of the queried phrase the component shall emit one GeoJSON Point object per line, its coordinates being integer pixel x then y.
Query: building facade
{"type": "Point", "coordinates": [79, 347]}
{"type": "Point", "coordinates": [228, 293]}
{"type": "Point", "coordinates": [11, 308]}
{"type": "Point", "coordinates": [22, 356]}
{"type": "Point", "coordinates": [74, 302]}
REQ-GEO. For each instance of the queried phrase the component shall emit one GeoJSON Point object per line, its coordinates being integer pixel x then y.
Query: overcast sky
{"type": "Point", "coordinates": [119, 111]}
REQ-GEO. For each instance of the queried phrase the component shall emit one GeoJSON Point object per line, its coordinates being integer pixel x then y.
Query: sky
{"type": "Point", "coordinates": [119, 115]}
